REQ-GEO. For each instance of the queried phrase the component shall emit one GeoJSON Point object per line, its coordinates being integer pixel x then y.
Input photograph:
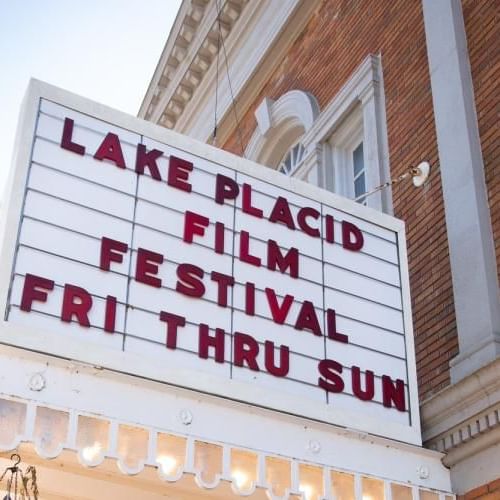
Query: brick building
{"type": "Point", "coordinates": [347, 94]}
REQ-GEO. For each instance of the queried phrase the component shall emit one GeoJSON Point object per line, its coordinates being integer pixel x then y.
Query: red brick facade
{"type": "Point", "coordinates": [490, 491]}
{"type": "Point", "coordinates": [338, 37]}
{"type": "Point", "coordinates": [482, 26]}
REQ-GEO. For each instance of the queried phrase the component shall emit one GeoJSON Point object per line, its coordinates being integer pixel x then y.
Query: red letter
{"type": "Point", "coordinates": [110, 149]}
{"type": "Point", "coordinates": [109, 252]}
{"type": "Point", "coordinates": [329, 228]}
{"type": "Point", "coordinates": [188, 282]}
{"type": "Point", "coordinates": [246, 202]}
{"type": "Point", "coordinates": [276, 259]}
{"type": "Point", "coordinates": [173, 322]}
{"type": "Point", "coordinates": [147, 159]}
{"type": "Point", "coordinates": [223, 281]}
{"type": "Point", "coordinates": [307, 318]}
{"type": "Point", "coordinates": [245, 255]}
{"type": "Point", "coordinates": [146, 266]}
{"type": "Point", "coordinates": [332, 381]}
{"type": "Point", "coordinates": [349, 229]}
{"type": "Point", "coordinates": [302, 221]}
{"type": "Point", "coordinates": [284, 367]}
{"type": "Point", "coordinates": [250, 298]}
{"type": "Point", "coordinates": [246, 350]}
{"type": "Point", "coordinates": [225, 189]}
{"type": "Point", "coordinates": [194, 224]}
{"type": "Point", "coordinates": [219, 237]}
{"type": "Point", "coordinates": [281, 213]}
{"type": "Point", "coordinates": [279, 313]}
{"type": "Point", "coordinates": [331, 327]}
{"type": "Point", "coordinates": [110, 314]}
{"type": "Point", "coordinates": [205, 341]}
{"type": "Point", "coordinates": [79, 308]}
{"type": "Point", "coordinates": [178, 173]}
{"type": "Point", "coordinates": [67, 136]}
{"type": "Point", "coordinates": [368, 393]}
{"type": "Point", "coordinates": [393, 393]}
{"type": "Point", "coordinates": [31, 293]}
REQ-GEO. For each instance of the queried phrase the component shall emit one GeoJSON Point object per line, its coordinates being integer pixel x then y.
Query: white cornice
{"type": "Point", "coordinates": [464, 416]}
{"type": "Point", "coordinates": [188, 55]}
{"type": "Point", "coordinates": [246, 49]}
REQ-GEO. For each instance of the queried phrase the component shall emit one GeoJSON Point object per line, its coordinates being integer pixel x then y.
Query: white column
{"type": "Point", "coordinates": [470, 239]}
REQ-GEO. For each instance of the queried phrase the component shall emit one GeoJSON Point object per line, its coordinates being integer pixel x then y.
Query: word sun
{"type": "Point", "coordinates": [194, 282]}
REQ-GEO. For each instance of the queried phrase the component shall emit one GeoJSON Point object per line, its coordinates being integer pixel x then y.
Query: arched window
{"type": "Point", "coordinates": [292, 159]}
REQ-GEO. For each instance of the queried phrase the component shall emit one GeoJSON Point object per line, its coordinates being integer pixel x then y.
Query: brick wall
{"type": "Point", "coordinates": [482, 26]}
{"type": "Point", "coordinates": [490, 491]}
{"type": "Point", "coordinates": [338, 37]}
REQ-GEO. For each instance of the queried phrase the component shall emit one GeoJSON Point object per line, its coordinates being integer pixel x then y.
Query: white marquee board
{"type": "Point", "coordinates": [320, 329]}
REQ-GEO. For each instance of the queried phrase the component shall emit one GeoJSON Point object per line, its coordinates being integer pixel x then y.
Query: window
{"type": "Point", "coordinates": [292, 159]}
{"type": "Point", "coordinates": [359, 174]}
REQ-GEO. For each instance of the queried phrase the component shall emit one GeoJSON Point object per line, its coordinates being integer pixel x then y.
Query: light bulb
{"type": "Point", "coordinates": [90, 453]}
{"type": "Point", "coordinates": [308, 491]}
{"type": "Point", "coordinates": [167, 463]}
{"type": "Point", "coordinates": [240, 478]}
{"type": "Point", "coordinates": [367, 497]}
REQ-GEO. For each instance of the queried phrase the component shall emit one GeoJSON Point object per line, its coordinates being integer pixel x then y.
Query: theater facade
{"type": "Point", "coordinates": [204, 302]}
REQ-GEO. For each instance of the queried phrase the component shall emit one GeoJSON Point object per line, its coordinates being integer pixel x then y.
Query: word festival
{"type": "Point", "coordinates": [193, 281]}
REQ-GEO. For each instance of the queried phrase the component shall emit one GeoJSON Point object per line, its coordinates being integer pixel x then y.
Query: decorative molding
{"type": "Point", "coordinates": [293, 110]}
{"type": "Point", "coordinates": [461, 414]}
{"type": "Point", "coordinates": [65, 429]}
{"type": "Point", "coordinates": [189, 53]}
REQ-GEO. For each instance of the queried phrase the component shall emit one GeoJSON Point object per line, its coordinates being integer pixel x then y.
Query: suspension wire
{"type": "Point", "coordinates": [214, 136]}
{"type": "Point", "coordinates": [233, 103]}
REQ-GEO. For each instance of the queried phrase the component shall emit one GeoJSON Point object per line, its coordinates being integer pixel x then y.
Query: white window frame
{"type": "Point", "coordinates": [355, 114]}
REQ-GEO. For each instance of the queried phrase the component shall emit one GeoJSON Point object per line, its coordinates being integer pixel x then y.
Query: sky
{"type": "Point", "coordinates": [106, 50]}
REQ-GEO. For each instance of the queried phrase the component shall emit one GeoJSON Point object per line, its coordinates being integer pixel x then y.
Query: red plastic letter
{"type": "Point", "coordinates": [225, 189]}
{"type": "Point", "coordinates": [246, 202]}
{"type": "Point", "coordinates": [194, 224]}
{"type": "Point", "coordinates": [67, 138]}
{"type": "Point", "coordinates": [369, 392]}
{"type": "Point", "coordinates": [110, 314]}
{"type": "Point", "coordinates": [331, 327]}
{"type": "Point", "coordinates": [307, 319]}
{"type": "Point", "coordinates": [206, 340]}
{"type": "Point", "coordinates": [393, 392]}
{"type": "Point", "coordinates": [76, 302]}
{"type": "Point", "coordinates": [302, 216]}
{"type": "Point", "coordinates": [147, 159]}
{"type": "Point", "coordinates": [250, 298]}
{"type": "Point", "coordinates": [189, 282]}
{"type": "Point", "coordinates": [330, 370]}
{"type": "Point", "coordinates": [110, 149]}
{"type": "Point", "coordinates": [173, 322]}
{"type": "Point", "coordinates": [224, 282]}
{"type": "Point", "coordinates": [349, 230]}
{"type": "Point", "coordinates": [284, 366]}
{"type": "Point", "coordinates": [279, 313]}
{"type": "Point", "coordinates": [275, 259]}
{"type": "Point", "coordinates": [281, 213]}
{"type": "Point", "coordinates": [111, 251]}
{"type": "Point", "coordinates": [246, 349]}
{"type": "Point", "coordinates": [178, 173]}
{"type": "Point", "coordinates": [245, 255]}
{"type": "Point", "coordinates": [147, 266]}
{"type": "Point", "coordinates": [31, 291]}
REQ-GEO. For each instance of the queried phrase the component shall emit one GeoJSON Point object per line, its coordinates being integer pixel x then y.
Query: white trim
{"type": "Point", "coordinates": [125, 362]}
{"type": "Point", "coordinates": [294, 110]}
{"type": "Point", "coordinates": [468, 223]}
{"type": "Point", "coordinates": [71, 388]}
{"type": "Point", "coordinates": [362, 89]}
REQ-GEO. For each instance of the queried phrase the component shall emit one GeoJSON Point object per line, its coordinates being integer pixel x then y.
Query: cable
{"type": "Point", "coordinates": [238, 128]}
{"type": "Point", "coordinates": [214, 137]}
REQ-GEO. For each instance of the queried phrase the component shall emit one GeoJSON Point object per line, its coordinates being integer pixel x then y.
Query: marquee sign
{"type": "Point", "coordinates": [133, 248]}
